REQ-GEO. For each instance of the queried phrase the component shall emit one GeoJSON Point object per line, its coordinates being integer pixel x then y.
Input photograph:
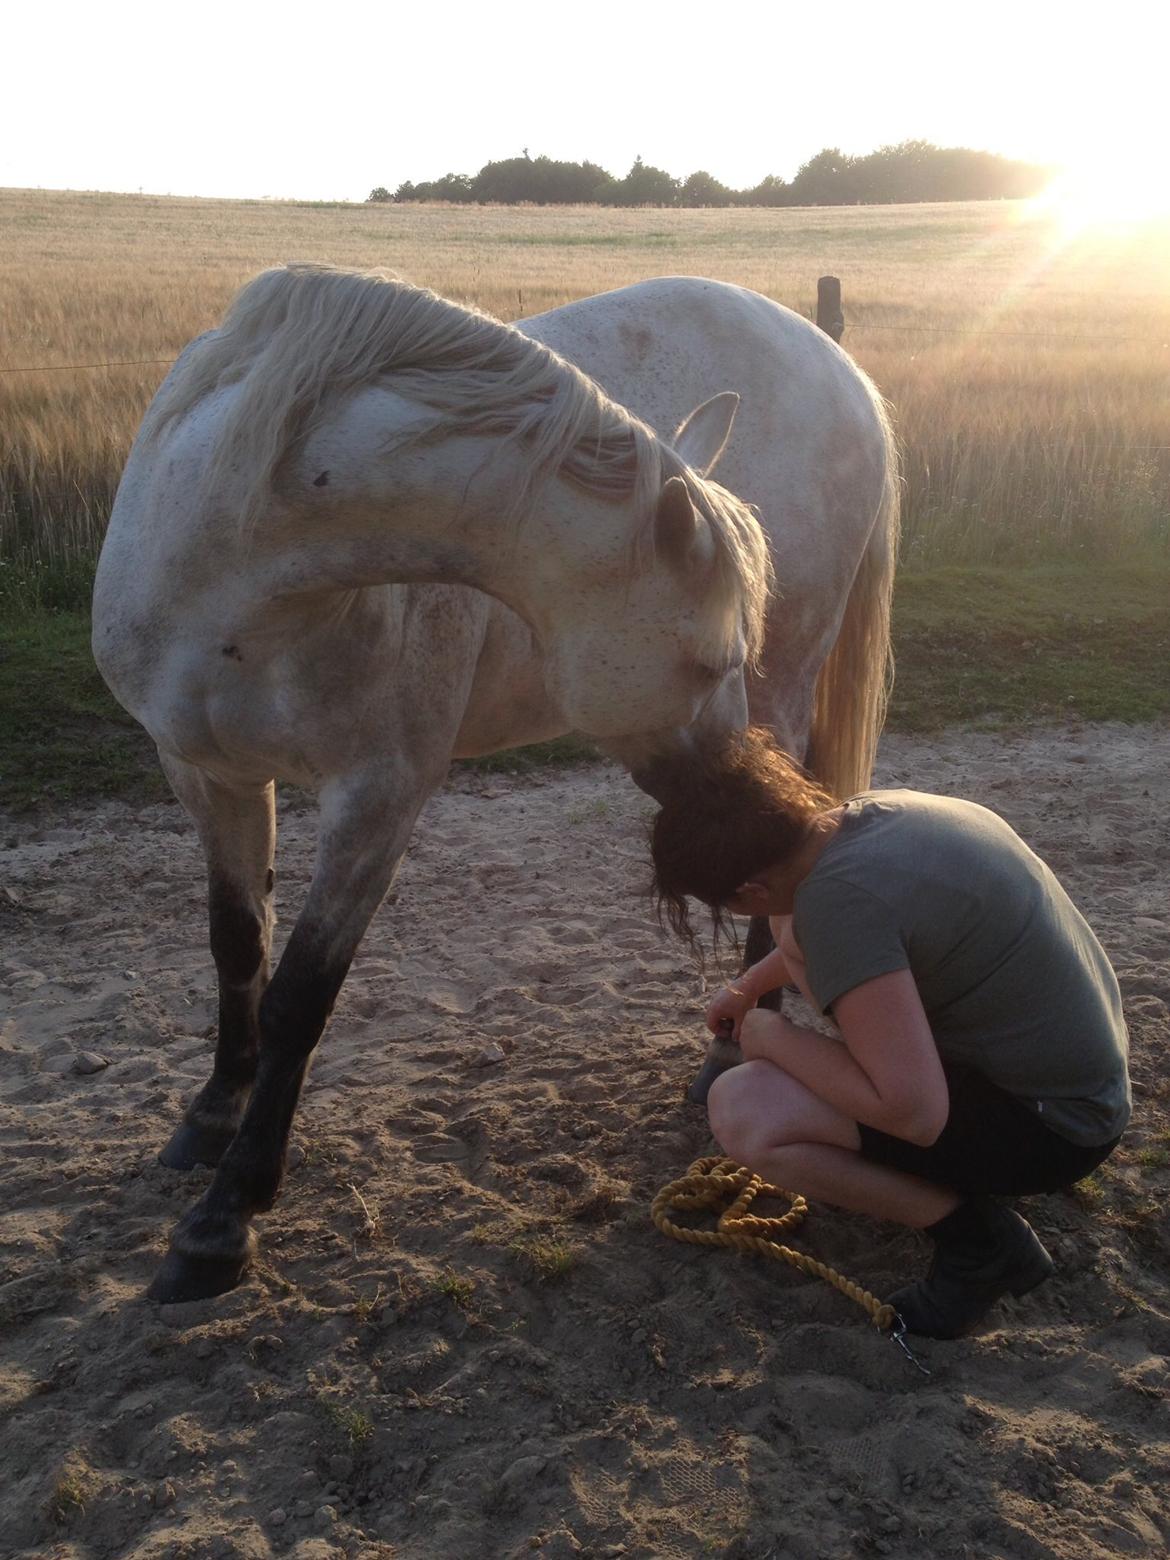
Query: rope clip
{"type": "Point", "coordinates": [898, 1334]}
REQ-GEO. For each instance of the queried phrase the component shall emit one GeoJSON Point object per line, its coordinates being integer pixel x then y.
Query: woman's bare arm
{"type": "Point", "coordinates": [888, 1073]}
{"type": "Point", "coordinates": [741, 995]}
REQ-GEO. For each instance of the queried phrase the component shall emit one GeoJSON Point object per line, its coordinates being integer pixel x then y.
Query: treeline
{"type": "Point", "coordinates": [910, 171]}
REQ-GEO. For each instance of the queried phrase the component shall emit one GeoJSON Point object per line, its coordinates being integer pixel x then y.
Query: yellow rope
{"type": "Point", "coordinates": [712, 1183]}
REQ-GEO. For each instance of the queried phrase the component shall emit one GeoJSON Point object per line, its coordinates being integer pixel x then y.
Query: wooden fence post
{"type": "Point", "coordinates": [829, 316]}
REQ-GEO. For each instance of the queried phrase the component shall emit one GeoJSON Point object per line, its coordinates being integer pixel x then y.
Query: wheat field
{"type": "Point", "coordinates": [1028, 370]}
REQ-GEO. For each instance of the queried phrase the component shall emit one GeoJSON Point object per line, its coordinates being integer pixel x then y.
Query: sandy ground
{"type": "Point", "coordinates": [465, 1338]}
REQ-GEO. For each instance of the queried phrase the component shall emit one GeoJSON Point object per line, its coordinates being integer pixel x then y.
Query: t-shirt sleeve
{"type": "Point", "coordinates": [847, 935]}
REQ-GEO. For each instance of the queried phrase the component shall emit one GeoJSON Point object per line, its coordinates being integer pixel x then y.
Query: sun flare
{"type": "Point", "coordinates": [1107, 192]}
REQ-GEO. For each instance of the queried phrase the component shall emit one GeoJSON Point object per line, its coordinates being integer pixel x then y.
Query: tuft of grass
{"type": "Point", "coordinates": [363, 1306]}
{"type": "Point", "coordinates": [1089, 1191]}
{"type": "Point", "coordinates": [544, 1260]}
{"type": "Point", "coordinates": [459, 1290]}
{"type": "Point", "coordinates": [75, 1484]}
{"type": "Point", "coordinates": [351, 1423]}
{"type": "Point", "coordinates": [1142, 1215]}
{"type": "Point", "coordinates": [369, 1219]}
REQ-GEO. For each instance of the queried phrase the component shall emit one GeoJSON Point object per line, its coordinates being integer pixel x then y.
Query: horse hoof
{"type": "Point", "coordinates": [190, 1146]}
{"type": "Point", "coordinates": [195, 1278]}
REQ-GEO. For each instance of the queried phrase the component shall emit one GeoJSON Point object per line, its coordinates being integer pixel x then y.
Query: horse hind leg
{"type": "Point", "coordinates": [238, 831]}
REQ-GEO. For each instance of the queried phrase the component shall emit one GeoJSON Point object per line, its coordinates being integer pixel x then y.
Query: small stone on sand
{"type": "Point", "coordinates": [89, 1062]}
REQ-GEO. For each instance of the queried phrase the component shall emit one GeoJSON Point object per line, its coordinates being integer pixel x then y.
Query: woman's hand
{"type": "Point", "coordinates": [731, 1003]}
{"type": "Point", "coordinates": [741, 995]}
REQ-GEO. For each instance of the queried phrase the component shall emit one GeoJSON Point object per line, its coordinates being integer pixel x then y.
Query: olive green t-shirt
{"type": "Point", "coordinates": [1013, 981]}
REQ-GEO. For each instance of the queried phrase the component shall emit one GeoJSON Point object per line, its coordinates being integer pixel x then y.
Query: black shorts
{"type": "Point", "coordinates": [992, 1144]}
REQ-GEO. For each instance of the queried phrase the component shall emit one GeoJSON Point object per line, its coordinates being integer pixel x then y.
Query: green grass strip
{"type": "Point", "coordinates": [1010, 646]}
{"type": "Point", "coordinates": [983, 646]}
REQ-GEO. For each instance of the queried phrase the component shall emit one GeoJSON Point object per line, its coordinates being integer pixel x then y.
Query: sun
{"type": "Point", "coordinates": [1107, 191]}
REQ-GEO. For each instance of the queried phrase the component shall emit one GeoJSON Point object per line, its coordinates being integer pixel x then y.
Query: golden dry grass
{"type": "Point", "coordinates": [1030, 375]}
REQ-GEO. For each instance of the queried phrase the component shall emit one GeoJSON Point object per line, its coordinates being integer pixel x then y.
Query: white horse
{"type": "Point", "coordinates": [283, 593]}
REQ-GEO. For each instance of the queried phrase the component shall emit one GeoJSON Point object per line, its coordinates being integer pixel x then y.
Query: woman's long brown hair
{"type": "Point", "coordinates": [735, 811]}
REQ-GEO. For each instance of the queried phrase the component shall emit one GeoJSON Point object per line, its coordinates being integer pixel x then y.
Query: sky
{"type": "Point", "coordinates": [325, 101]}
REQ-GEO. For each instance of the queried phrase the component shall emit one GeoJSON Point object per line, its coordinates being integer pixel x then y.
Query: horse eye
{"type": "Point", "coordinates": [718, 673]}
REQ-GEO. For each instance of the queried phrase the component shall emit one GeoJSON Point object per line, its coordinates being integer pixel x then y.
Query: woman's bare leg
{"type": "Point", "coordinates": [765, 1119]}
{"type": "Point", "coordinates": [982, 1250]}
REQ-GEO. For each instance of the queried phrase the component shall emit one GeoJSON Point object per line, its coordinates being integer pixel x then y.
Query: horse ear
{"type": "Point", "coordinates": [702, 437]}
{"type": "Point", "coordinates": [679, 532]}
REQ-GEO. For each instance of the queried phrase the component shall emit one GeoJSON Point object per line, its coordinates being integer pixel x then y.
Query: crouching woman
{"type": "Point", "coordinates": [984, 1052]}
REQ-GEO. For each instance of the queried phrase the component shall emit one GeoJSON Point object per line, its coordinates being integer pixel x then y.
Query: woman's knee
{"type": "Point", "coordinates": [734, 1105]}
{"type": "Point", "coordinates": [757, 1107]}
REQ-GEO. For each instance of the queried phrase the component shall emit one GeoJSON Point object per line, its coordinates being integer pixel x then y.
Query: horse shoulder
{"type": "Point", "coordinates": [509, 703]}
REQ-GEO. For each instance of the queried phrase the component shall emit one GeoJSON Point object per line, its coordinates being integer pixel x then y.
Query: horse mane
{"type": "Point", "coordinates": [299, 337]}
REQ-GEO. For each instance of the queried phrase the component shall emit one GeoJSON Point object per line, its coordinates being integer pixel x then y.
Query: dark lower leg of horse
{"type": "Point", "coordinates": [213, 1117]}
{"type": "Point", "coordinates": [213, 1243]}
{"type": "Point", "coordinates": [237, 829]}
{"type": "Point", "coordinates": [365, 821]}
{"type": "Point", "coordinates": [239, 944]}
{"type": "Point", "coordinates": [723, 1053]}
{"type": "Point", "coordinates": [758, 945]}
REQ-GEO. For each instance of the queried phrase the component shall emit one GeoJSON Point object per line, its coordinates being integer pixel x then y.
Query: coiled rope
{"type": "Point", "coordinates": [729, 1190]}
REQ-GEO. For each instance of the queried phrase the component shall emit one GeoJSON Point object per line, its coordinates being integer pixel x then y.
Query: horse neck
{"type": "Point", "coordinates": [439, 511]}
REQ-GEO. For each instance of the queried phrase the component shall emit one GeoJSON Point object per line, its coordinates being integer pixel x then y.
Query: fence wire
{"type": "Point", "coordinates": [74, 368]}
{"type": "Point", "coordinates": [854, 325]}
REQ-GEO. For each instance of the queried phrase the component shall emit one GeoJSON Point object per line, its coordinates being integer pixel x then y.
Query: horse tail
{"type": "Point", "coordinates": [853, 688]}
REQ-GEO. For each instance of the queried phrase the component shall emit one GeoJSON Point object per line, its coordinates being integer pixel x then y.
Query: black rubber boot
{"type": "Point", "coordinates": [982, 1252]}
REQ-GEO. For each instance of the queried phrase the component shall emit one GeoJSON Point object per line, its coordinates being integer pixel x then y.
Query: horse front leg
{"type": "Point", "coordinates": [758, 945]}
{"type": "Point", "coordinates": [237, 828]}
{"type": "Point", "coordinates": [365, 825]}
{"type": "Point", "coordinates": [724, 1052]}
